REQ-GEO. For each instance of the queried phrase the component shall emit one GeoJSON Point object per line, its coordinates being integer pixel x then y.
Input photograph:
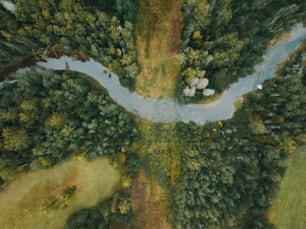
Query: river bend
{"type": "Point", "coordinates": [170, 110]}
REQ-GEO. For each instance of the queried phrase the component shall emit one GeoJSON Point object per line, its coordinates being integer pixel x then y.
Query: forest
{"type": "Point", "coordinates": [221, 41]}
{"type": "Point", "coordinates": [221, 175]}
{"type": "Point", "coordinates": [224, 39]}
{"type": "Point", "coordinates": [229, 170]}
{"type": "Point", "coordinates": [41, 27]}
{"type": "Point", "coordinates": [42, 122]}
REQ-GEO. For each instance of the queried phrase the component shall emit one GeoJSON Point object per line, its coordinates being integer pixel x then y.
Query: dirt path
{"type": "Point", "coordinates": [158, 34]}
{"type": "Point", "coordinates": [23, 203]}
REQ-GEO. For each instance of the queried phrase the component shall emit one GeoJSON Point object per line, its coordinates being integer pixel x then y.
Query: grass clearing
{"type": "Point", "coordinates": [289, 208]}
{"type": "Point", "coordinates": [158, 33]}
{"type": "Point", "coordinates": [22, 203]}
{"type": "Point", "coordinates": [158, 149]}
{"type": "Point", "coordinates": [149, 203]}
{"type": "Point", "coordinates": [160, 144]}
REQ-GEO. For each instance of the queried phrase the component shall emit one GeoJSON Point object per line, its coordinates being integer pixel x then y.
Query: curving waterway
{"type": "Point", "coordinates": [170, 110]}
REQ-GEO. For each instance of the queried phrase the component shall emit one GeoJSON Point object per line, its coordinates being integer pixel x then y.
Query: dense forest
{"type": "Point", "coordinates": [231, 169]}
{"type": "Point", "coordinates": [222, 40]}
{"type": "Point", "coordinates": [48, 116]}
{"type": "Point", "coordinates": [221, 175]}
{"type": "Point", "coordinates": [41, 27]}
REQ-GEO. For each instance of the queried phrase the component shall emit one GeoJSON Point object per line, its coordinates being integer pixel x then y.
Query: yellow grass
{"type": "Point", "coordinates": [158, 33]}
{"type": "Point", "coordinates": [238, 104]}
{"type": "Point", "coordinates": [162, 139]}
{"type": "Point", "coordinates": [149, 199]}
{"type": "Point", "coordinates": [149, 203]}
{"type": "Point", "coordinates": [289, 209]}
{"type": "Point", "coordinates": [158, 40]}
{"type": "Point", "coordinates": [21, 203]}
{"type": "Point", "coordinates": [282, 37]}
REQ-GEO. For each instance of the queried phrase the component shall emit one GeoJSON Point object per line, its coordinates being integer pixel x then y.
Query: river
{"type": "Point", "coordinates": [170, 110]}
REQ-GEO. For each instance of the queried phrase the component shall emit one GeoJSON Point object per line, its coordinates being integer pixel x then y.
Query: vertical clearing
{"type": "Point", "coordinates": [158, 32]}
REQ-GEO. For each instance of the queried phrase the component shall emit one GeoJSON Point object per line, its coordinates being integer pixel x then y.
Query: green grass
{"type": "Point", "coordinates": [289, 209]}
{"type": "Point", "coordinates": [159, 151]}
{"type": "Point", "coordinates": [158, 41]}
{"type": "Point", "coordinates": [23, 202]}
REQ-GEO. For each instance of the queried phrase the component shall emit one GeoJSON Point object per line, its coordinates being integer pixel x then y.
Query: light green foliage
{"type": "Point", "coordinates": [288, 209]}
{"type": "Point", "coordinates": [15, 139]}
{"type": "Point", "coordinates": [54, 203]}
{"type": "Point", "coordinates": [8, 114]}
{"type": "Point", "coordinates": [257, 125]}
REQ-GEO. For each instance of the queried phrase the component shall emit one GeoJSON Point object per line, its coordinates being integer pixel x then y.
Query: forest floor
{"type": "Point", "coordinates": [158, 32]}
{"type": "Point", "coordinates": [23, 202]}
{"type": "Point", "coordinates": [289, 208]}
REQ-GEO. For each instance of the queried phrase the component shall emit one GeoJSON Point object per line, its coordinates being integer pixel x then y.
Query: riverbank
{"type": "Point", "coordinates": [169, 110]}
{"type": "Point", "coordinates": [30, 60]}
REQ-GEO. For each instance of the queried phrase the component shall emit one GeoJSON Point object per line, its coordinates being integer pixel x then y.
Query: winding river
{"type": "Point", "coordinates": [170, 110]}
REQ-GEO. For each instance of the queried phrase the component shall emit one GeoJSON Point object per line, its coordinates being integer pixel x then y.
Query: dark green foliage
{"type": "Point", "coordinates": [125, 10]}
{"type": "Point", "coordinates": [48, 116]}
{"type": "Point", "coordinates": [226, 38]}
{"type": "Point", "coordinates": [255, 220]}
{"type": "Point", "coordinates": [68, 192]}
{"type": "Point", "coordinates": [87, 218]}
{"type": "Point", "coordinates": [11, 45]}
{"type": "Point", "coordinates": [115, 211]}
{"type": "Point", "coordinates": [231, 170]}
{"type": "Point", "coordinates": [68, 26]}
{"type": "Point", "coordinates": [133, 163]}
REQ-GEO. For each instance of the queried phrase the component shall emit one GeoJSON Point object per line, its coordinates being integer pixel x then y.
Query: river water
{"type": "Point", "coordinates": [170, 110]}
